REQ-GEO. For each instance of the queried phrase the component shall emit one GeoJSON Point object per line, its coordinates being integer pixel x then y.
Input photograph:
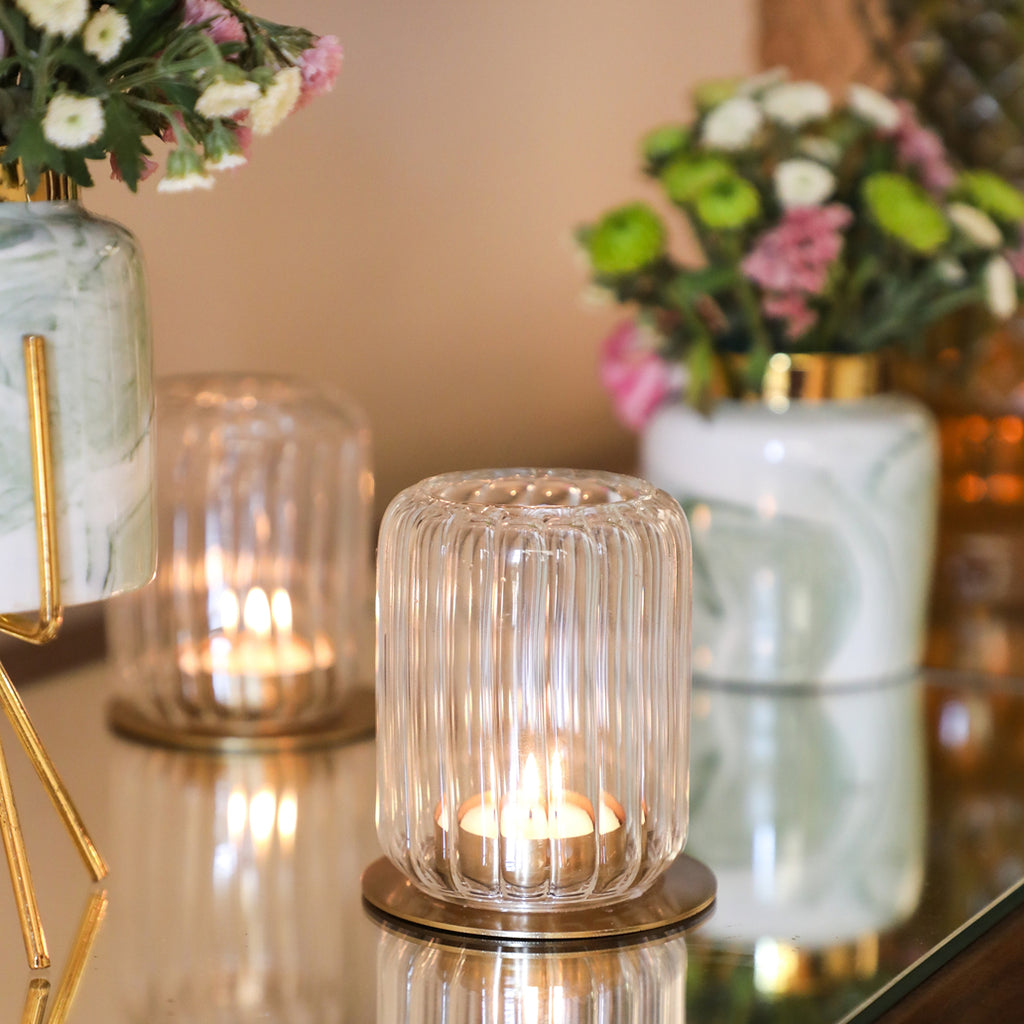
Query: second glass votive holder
{"type": "Point", "coordinates": [261, 607]}
{"type": "Point", "coordinates": [533, 687]}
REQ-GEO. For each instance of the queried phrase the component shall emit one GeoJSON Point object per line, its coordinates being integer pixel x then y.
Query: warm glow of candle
{"type": "Point", "coordinates": [256, 612]}
{"type": "Point", "coordinates": [281, 611]}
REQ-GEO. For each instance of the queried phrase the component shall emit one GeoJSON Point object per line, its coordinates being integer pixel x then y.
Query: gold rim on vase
{"type": "Point", "coordinates": [52, 187]}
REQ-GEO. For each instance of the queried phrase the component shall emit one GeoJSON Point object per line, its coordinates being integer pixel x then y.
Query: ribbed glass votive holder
{"type": "Point", "coordinates": [533, 686]}
{"type": "Point", "coordinates": [252, 627]}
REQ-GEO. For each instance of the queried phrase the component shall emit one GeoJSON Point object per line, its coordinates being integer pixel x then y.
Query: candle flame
{"type": "Point", "coordinates": [281, 610]}
{"type": "Point", "coordinates": [531, 782]}
{"type": "Point", "coordinates": [228, 607]}
{"type": "Point", "coordinates": [256, 613]}
{"type": "Point", "coordinates": [555, 779]}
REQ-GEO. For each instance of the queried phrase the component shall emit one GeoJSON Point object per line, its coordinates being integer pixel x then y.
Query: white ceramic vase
{"type": "Point", "coordinates": [813, 527]}
{"type": "Point", "coordinates": [78, 281]}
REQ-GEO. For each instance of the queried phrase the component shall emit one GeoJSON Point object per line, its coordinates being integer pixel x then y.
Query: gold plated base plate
{"type": "Point", "coordinates": [353, 721]}
{"type": "Point", "coordinates": [683, 892]}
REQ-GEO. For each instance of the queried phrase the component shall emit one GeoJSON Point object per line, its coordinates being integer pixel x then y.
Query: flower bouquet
{"type": "Point", "coordinates": [825, 229]}
{"type": "Point", "coordinates": [84, 80]}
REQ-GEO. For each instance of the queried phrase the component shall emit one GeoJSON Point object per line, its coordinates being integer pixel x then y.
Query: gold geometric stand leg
{"type": "Point", "coordinates": [39, 629]}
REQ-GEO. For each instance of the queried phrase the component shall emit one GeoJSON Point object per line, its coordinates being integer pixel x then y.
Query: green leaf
{"type": "Point", "coordinates": [123, 139]}
{"type": "Point", "coordinates": [687, 287]}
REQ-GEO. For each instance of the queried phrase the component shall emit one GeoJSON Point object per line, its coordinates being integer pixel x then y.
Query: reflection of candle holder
{"type": "Point", "coordinates": [533, 704]}
{"type": "Point", "coordinates": [232, 867]}
{"type": "Point", "coordinates": [251, 632]}
{"type": "Point", "coordinates": [432, 982]}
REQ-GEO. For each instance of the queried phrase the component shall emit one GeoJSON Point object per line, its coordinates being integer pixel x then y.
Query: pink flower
{"type": "Point", "coordinates": [791, 307]}
{"type": "Point", "coordinates": [149, 165]}
{"type": "Point", "coordinates": [797, 253]}
{"type": "Point", "coordinates": [920, 149]}
{"type": "Point", "coordinates": [635, 376]}
{"type": "Point", "coordinates": [223, 27]}
{"type": "Point", "coordinates": [320, 65]}
{"type": "Point", "coordinates": [243, 136]}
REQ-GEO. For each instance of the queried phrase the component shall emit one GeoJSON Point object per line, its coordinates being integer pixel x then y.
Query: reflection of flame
{"type": "Point", "coordinates": [256, 613]}
{"type": "Point", "coordinates": [259, 814]}
{"type": "Point", "coordinates": [281, 610]}
{"type": "Point", "coordinates": [531, 782]}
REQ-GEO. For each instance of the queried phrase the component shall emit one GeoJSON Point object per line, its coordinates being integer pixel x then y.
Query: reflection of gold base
{"type": "Point", "coordinates": [683, 892]}
{"type": "Point", "coordinates": [354, 720]}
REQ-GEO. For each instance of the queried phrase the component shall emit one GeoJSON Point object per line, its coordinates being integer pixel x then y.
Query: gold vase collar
{"type": "Point", "coordinates": [819, 377]}
{"type": "Point", "coordinates": [52, 187]}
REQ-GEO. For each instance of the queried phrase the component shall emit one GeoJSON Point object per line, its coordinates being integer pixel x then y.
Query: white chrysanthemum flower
{"type": "Point", "coordinates": [803, 183]}
{"type": "Point", "coordinates": [1000, 287]}
{"type": "Point", "coordinates": [185, 183]}
{"type": "Point", "coordinates": [226, 162]}
{"type": "Point", "coordinates": [105, 34]}
{"type": "Point", "coordinates": [73, 121]}
{"type": "Point", "coordinates": [733, 124]}
{"type": "Point", "coordinates": [226, 99]}
{"type": "Point", "coordinates": [871, 106]}
{"type": "Point", "coordinates": [796, 103]}
{"type": "Point", "coordinates": [825, 151]}
{"type": "Point", "coordinates": [58, 17]}
{"type": "Point", "coordinates": [277, 102]}
{"type": "Point", "coordinates": [976, 225]}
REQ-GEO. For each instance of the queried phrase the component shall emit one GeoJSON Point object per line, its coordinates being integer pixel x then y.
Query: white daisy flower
{"type": "Point", "coordinates": [73, 121]}
{"type": "Point", "coordinates": [796, 103]}
{"type": "Point", "coordinates": [978, 227]}
{"type": "Point", "coordinates": [733, 124]}
{"type": "Point", "coordinates": [1000, 284]}
{"type": "Point", "coordinates": [185, 183]}
{"type": "Point", "coordinates": [225, 162]}
{"type": "Point", "coordinates": [803, 183]}
{"type": "Point", "coordinates": [226, 99]}
{"type": "Point", "coordinates": [105, 34]}
{"type": "Point", "coordinates": [277, 102]}
{"type": "Point", "coordinates": [871, 106]}
{"type": "Point", "coordinates": [58, 17]}
{"type": "Point", "coordinates": [825, 151]}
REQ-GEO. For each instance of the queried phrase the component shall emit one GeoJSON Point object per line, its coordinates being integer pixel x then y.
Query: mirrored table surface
{"type": "Point", "coordinates": [853, 834]}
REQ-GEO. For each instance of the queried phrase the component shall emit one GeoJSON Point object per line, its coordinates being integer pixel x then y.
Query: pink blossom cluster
{"type": "Point", "coordinates": [223, 27]}
{"type": "Point", "coordinates": [635, 376]}
{"type": "Point", "coordinates": [320, 66]}
{"type": "Point", "coordinates": [922, 150]}
{"type": "Point", "coordinates": [791, 262]}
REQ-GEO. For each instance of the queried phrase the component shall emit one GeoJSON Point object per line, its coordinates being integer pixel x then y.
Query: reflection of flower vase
{"type": "Point", "coordinates": [812, 524]}
{"type": "Point", "coordinates": [431, 981]}
{"type": "Point", "coordinates": [810, 808]}
{"type": "Point", "coordinates": [232, 866]}
{"type": "Point", "coordinates": [78, 281]}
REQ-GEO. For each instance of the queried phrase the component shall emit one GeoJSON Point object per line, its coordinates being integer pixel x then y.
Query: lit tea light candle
{"type": "Point", "coordinates": [527, 841]}
{"type": "Point", "coordinates": [247, 665]}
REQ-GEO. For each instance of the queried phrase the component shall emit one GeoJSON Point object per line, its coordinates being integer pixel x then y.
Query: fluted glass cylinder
{"type": "Point", "coordinates": [533, 686]}
{"type": "Point", "coordinates": [433, 982]}
{"type": "Point", "coordinates": [253, 623]}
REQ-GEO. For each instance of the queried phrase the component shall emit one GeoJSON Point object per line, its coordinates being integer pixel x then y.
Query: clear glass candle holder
{"type": "Point", "coordinates": [261, 606]}
{"type": "Point", "coordinates": [533, 686]}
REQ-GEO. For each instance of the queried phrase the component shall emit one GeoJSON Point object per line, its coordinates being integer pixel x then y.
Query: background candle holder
{"type": "Point", "coordinates": [532, 698]}
{"type": "Point", "coordinates": [253, 630]}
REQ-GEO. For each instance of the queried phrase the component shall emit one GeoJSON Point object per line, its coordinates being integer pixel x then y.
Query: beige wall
{"type": "Point", "coordinates": [407, 238]}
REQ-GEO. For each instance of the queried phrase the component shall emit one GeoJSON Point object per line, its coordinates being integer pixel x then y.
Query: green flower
{"type": "Point", "coordinates": [993, 194]}
{"type": "Point", "coordinates": [686, 177]}
{"type": "Point", "coordinates": [902, 208]}
{"type": "Point", "coordinates": [625, 240]}
{"type": "Point", "coordinates": [662, 143]}
{"type": "Point", "coordinates": [729, 203]}
{"type": "Point", "coordinates": [718, 90]}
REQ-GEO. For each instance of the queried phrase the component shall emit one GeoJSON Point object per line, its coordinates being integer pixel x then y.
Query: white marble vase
{"type": "Point", "coordinates": [78, 281]}
{"type": "Point", "coordinates": [813, 527]}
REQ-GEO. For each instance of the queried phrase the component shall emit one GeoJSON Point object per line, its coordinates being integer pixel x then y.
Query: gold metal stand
{"type": "Point", "coordinates": [683, 893]}
{"type": "Point", "coordinates": [38, 629]}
